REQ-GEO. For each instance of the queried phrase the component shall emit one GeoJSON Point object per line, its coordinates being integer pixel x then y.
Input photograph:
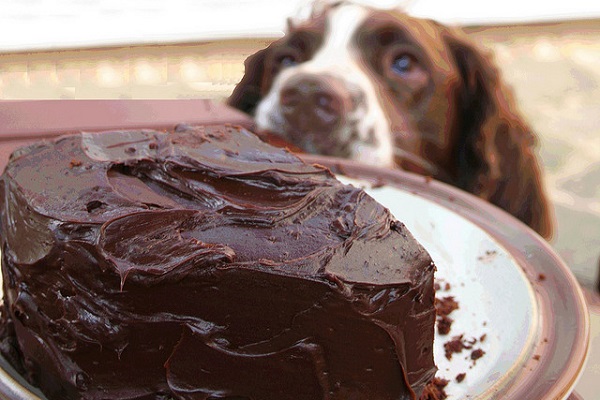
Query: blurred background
{"type": "Point", "coordinates": [549, 54]}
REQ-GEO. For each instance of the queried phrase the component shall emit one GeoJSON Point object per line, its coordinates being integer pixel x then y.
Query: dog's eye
{"type": "Point", "coordinates": [284, 58]}
{"type": "Point", "coordinates": [288, 61]}
{"type": "Point", "coordinates": [403, 63]}
{"type": "Point", "coordinates": [404, 68]}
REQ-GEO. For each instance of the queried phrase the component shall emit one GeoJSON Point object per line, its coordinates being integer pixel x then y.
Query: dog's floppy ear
{"type": "Point", "coordinates": [495, 151]}
{"type": "Point", "coordinates": [248, 92]}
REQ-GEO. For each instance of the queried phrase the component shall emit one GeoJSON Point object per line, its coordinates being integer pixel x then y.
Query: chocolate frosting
{"type": "Point", "coordinates": [205, 264]}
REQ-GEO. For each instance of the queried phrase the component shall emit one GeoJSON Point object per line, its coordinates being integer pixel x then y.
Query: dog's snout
{"type": "Point", "coordinates": [314, 92]}
{"type": "Point", "coordinates": [315, 102]}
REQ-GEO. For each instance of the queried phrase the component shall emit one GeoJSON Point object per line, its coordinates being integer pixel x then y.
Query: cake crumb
{"type": "Point", "coordinates": [442, 285]}
{"type": "Point", "coordinates": [460, 377]}
{"type": "Point", "coordinates": [541, 277]}
{"type": "Point", "coordinates": [536, 357]}
{"type": "Point", "coordinates": [477, 354]}
{"type": "Point", "coordinates": [444, 324]}
{"type": "Point", "coordinates": [483, 337]}
{"type": "Point", "coordinates": [434, 390]}
{"type": "Point", "coordinates": [455, 345]}
{"type": "Point", "coordinates": [445, 305]}
{"type": "Point", "coordinates": [75, 163]}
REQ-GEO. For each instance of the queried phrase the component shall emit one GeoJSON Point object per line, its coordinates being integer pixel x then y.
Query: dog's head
{"type": "Point", "coordinates": [359, 83]}
{"type": "Point", "coordinates": [384, 88]}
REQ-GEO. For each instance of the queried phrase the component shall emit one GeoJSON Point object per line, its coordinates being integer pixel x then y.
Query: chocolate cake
{"type": "Point", "coordinates": [204, 264]}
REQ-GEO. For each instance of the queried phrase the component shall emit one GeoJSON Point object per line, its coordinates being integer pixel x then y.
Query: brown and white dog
{"type": "Point", "coordinates": [384, 88]}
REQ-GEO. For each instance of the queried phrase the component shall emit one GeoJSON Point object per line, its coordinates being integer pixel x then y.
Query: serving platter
{"type": "Point", "coordinates": [497, 313]}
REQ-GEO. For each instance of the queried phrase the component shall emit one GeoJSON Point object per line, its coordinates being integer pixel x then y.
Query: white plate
{"type": "Point", "coordinates": [510, 283]}
{"type": "Point", "coordinates": [494, 295]}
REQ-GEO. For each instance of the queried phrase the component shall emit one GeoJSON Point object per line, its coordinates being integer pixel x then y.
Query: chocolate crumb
{"type": "Point", "coordinates": [444, 324]}
{"type": "Point", "coordinates": [434, 390]}
{"type": "Point", "coordinates": [456, 345]}
{"type": "Point", "coordinates": [483, 337]}
{"type": "Point", "coordinates": [541, 277]}
{"type": "Point", "coordinates": [446, 305]}
{"type": "Point", "coordinates": [477, 354]}
{"type": "Point", "coordinates": [441, 285]}
{"type": "Point", "coordinates": [75, 163]}
{"type": "Point", "coordinates": [460, 377]}
{"type": "Point", "coordinates": [536, 357]}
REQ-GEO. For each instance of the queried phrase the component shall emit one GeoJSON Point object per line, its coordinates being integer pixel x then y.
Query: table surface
{"type": "Point", "coordinates": [22, 122]}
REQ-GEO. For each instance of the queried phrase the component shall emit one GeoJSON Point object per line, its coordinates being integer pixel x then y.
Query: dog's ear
{"type": "Point", "coordinates": [248, 91]}
{"type": "Point", "coordinates": [495, 151]}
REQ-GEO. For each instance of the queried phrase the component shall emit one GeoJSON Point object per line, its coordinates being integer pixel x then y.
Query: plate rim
{"type": "Point", "coordinates": [554, 374]}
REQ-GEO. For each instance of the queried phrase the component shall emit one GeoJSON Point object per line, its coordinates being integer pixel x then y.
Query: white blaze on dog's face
{"type": "Point", "coordinates": [354, 82]}
{"type": "Point", "coordinates": [328, 105]}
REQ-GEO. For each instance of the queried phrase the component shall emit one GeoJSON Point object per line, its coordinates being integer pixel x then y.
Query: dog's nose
{"type": "Point", "coordinates": [314, 103]}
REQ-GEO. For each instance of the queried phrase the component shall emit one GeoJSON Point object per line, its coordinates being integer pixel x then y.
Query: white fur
{"type": "Point", "coordinates": [338, 58]}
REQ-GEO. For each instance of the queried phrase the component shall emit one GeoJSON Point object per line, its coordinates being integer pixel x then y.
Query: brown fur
{"type": "Point", "coordinates": [495, 152]}
{"type": "Point", "coordinates": [491, 149]}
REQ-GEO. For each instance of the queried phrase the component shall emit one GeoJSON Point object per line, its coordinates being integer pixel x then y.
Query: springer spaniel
{"type": "Point", "coordinates": [384, 88]}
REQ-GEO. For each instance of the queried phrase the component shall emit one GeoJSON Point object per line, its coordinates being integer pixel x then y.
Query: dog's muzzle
{"type": "Point", "coordinates": [315, 105]}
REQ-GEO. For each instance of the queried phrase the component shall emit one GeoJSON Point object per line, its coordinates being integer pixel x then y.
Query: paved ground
{"type": "Point", "coordinates": [555, 73]}
{"type": "Point", "coordinates": [554, 70]}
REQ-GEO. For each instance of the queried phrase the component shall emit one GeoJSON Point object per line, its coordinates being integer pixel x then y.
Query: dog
{"type": "Point", "coordinates": [385, 88]}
